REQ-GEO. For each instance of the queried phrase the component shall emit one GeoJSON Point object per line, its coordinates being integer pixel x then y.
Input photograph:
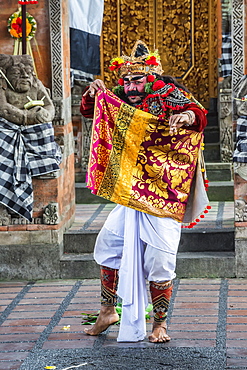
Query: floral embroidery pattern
{"type": "Point", "coordinates": [135, 162]}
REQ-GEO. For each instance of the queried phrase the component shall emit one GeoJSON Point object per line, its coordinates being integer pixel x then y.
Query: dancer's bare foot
{"type": "Point", "coordinates": [107, 316]}
{"type": "Point", "coordinates": [159, 334]}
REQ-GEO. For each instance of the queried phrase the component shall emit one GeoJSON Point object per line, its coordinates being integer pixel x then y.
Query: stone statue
{"type": "Point", "coordinates": [27, 146]}
{"type": "Point", "coordinates": [23, 98]}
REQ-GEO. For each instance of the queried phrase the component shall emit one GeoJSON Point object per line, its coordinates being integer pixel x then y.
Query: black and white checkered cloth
{"type": "Point", "coordinates": [240, 153]}
{"type": "Point", "coordinates": [25, 151]}
{"type": "Point", "coordinates": [226, 56]}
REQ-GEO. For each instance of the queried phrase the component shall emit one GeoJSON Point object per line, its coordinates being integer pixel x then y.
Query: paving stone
{"type": "Point", "coordinates": [13, 356]}
{"type": "Point", "coordinates": [18, 337]}
{"type": "Point", "coordinates": [29, 314]}
{"type": "Point", "coordinates": [194, 319]}
{"type": "Point", "coordinates": [36, 307]}
{"type": "Point", "coordinates": [22, 329]}
{"type": "Point", "coordinates": [236, 343]}
{"type": "Point", "coordinates": [26, 322]}
{"type": "Point", "coordinates": [9, 365]}
{"type": "Point", "coordinates": [13, 346]}
{"type": "Point", "coordinates": [237, 363]}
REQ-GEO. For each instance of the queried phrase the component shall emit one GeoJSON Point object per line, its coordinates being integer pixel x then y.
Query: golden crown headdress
{"type": "Point", "coordinates": [141, 61]}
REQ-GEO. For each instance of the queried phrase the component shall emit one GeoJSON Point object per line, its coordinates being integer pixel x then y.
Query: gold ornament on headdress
{"type": "Point", "coordinates": [141, 61]}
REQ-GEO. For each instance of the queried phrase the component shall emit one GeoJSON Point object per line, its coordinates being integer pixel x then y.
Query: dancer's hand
{"type": "Point", "coordinates": [94, 87]}
{"type": "Point", "coordinates": [178, 120]}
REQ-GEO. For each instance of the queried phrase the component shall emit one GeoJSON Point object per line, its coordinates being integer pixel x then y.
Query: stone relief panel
{"type": "Point", "coordinates": [56, 48]}
{"type": "Point", "coordinates": [237, 43]}
{"type": "Point", "coordinates": [240, 210]}
{"type": "Point", "coordinates": [86, 141]}
{"type": "Point", "coordinates": [51, 214]}
{"type": "Point", "coordinates": [5, 217]}
{"type": "Point", "coordinates": [225, 116]}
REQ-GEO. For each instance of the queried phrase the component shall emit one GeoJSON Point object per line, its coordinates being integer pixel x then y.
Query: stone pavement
{"type": "Point", "coordinates": [40, 326]}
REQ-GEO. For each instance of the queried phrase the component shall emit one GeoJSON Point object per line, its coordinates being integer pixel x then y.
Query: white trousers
{"type": "Point", "coordinates": [159, 243]}
{"type": "Point", "coordinates": [140, 246]}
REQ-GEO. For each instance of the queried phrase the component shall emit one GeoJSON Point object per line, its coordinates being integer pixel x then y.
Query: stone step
{"type": "Point", "coordinates": [221, 191]}
{"type": "Point", "coordinates": [219, 171]}
{"type": "Point", "coordinates": [192, 240]}
{"type": "Point", "coordinates": [205, 250]}
{"type": "Point", "coordinates": [212, 152]}
{"type": "Point", "coordinates": [73, 266]}
{"type": "Point", "coordinates": [211, 135]}
{"type": "Point", "coordinates": [83, 195]}
{"type": "Point", "coordinates": [189, 265]}
{"type": "Point", "coordinates": [206, 264]}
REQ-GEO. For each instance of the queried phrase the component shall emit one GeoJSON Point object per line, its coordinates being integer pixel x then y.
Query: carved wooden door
{"type": "Point", "coordinates": [183, 31]}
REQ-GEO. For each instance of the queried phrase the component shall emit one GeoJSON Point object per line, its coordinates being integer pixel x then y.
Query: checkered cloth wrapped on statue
{"type": "Point", "coordinates": [240, 153]}
{"type": "Point", "coordinates": [25, 151]}
{"type": "Point", "coordinates": [226, 56]}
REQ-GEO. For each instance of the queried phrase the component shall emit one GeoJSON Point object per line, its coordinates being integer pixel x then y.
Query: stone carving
{"type": "Point", "coordinates": [86, 141]}
{"type": "Point", "coordinates": [240, 210]}
{"type": "Point", "coordinates": [26, 135]}
{"type": "Point", "coordinates": [22, 221]}
{"type": "Point", "coordinates": [51, 215]}
{"type": "Point", "coordinates": [4, 216]}
{"type": "Point", "coordinates": [237, 43]}
{"type": "Point", "coordinates": [226, 136]}
{"type": "Point", "coordinates": [23, 98]}
{"type": "Point", "coordinates": [55, 9]}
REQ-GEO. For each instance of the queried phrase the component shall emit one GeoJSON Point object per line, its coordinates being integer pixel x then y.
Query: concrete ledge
{"type": "Point", "coordinates": [30, 262]}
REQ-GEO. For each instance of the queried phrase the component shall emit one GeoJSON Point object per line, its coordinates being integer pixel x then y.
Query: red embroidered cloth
{"type": "Point", "coordinates": [135, 162]}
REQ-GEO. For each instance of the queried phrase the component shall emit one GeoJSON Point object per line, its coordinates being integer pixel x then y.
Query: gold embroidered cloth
{"type": "Point", "coordinates": [135, 162]}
